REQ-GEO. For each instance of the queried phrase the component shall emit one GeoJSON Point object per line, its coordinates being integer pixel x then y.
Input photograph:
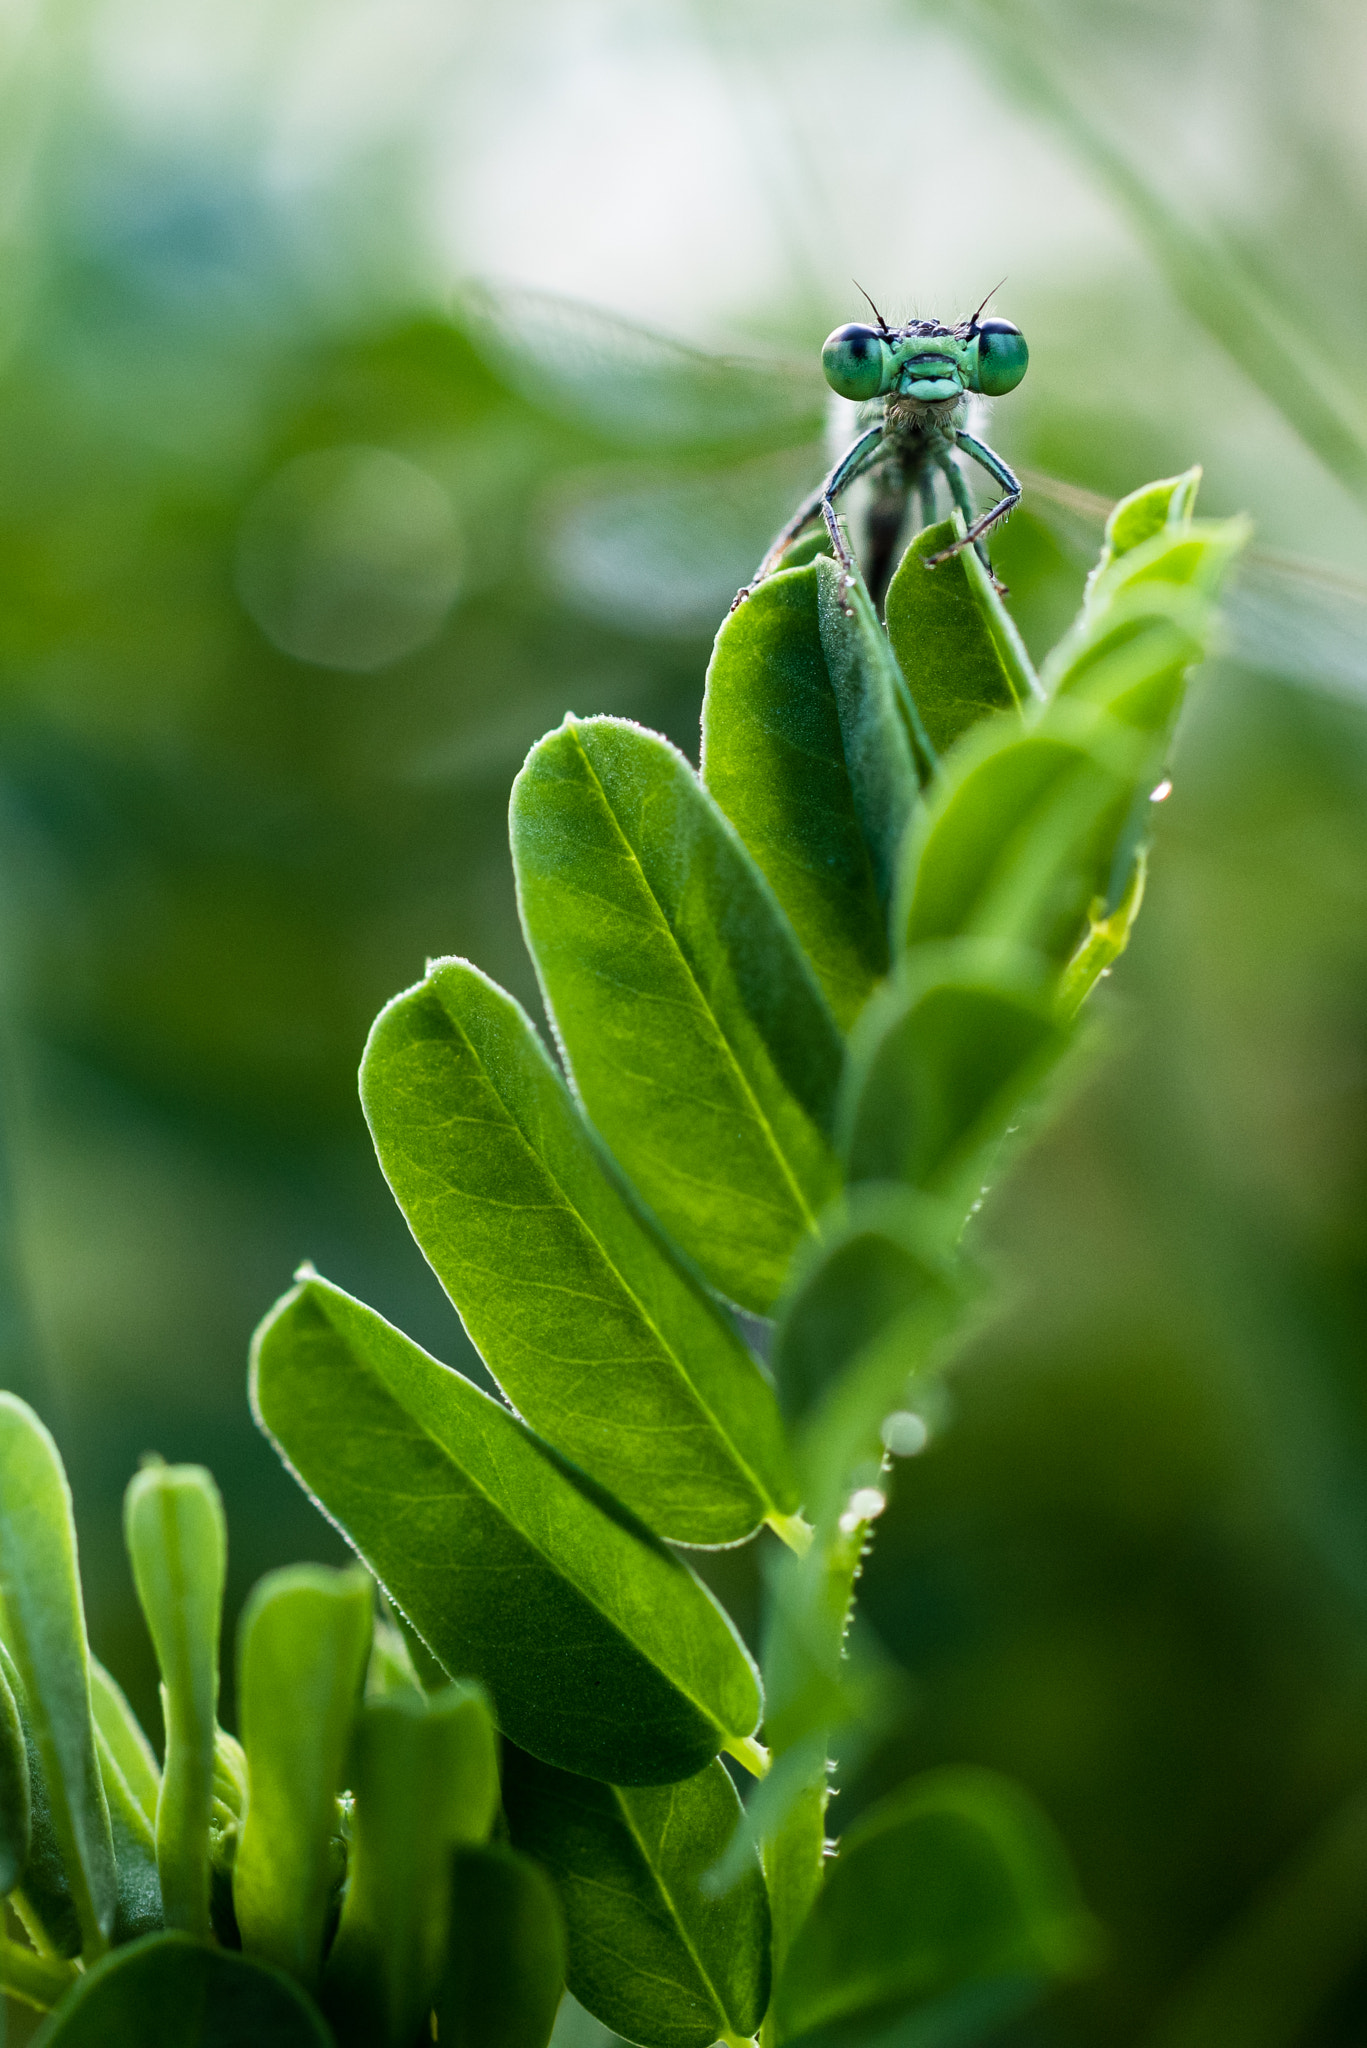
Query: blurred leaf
{"type": "Point", "coordinates": [1018, 837]}
{"type": "Point", "coordinates": [43, 1620]}
{"type": "Point", "coordinates": [955, 1880]}
{"type": "Point", "coordinates": [859, 1322]}
{"type": "Point", "coordinates": [44, 1891]}
{"type": "Point", "coordinates": [302, 1646]}
{"type": "Point", "coordinates": [772, 756]}
{"type": "Point", "coordinates": [505, 1959]}
{"type": "Point", "coordinates": [941, 1062]}
{"type": "Point", "coordinates": [613, 1657]}
{"type": "Point", "coordinates": [16, 1799]}
{"type": "Point", "coordinates": [654, 1952]}
{"type": "Point", "coordinates": [139, 1909]}
{"type": "Point", "coordinates": [695, 1032]}
{"type": "Point", "coordinates": [423, 1773]}
{"type": "Point", "coordinates": [602, 1341]}
{"type": "Point", "coordinates": [955, 642]}
{"type": "Point", "coordinates": [132, 1752]}
{"type": "Point", "coordinates": [178, 1547]}
{"type": "Point", "coordinates": [167, 1991]}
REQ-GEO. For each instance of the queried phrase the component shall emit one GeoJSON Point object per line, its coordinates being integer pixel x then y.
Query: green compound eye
{"type": "Point", "coordinates": [1002, 358]}
{"type": "Point", "coordinates": [853, 360]}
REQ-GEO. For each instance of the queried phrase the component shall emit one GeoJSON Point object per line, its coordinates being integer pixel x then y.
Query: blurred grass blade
{"type": "Point", "coordinates": [695, 1031]}
{"type": "Point", "coordinates": [170, 1991]}
{"type": "Point", "coordinates": [178, 1547]}
{"type": "Point", "coordinates": [955, 642]}
{"type": "Point", "coordinates": [16, 1797]}
{"type": "Point", "coordinates": [505, 1962]}
{"type": "Point", "coordinates": [613, 1659]}
{"type": "Point", "coordinates": [43, 1622]}
{"type": "Point", "coordinates": [955, 1880]}
{"type": "Point", "coordinates": [423, 1774]}
{"type": "Point", "coordinates": [654, 1952]}
{"type": "Point", "coordinates": [773, 758]}
{"type": "Point", "coordinates": [302, 1646]}
{"type": "Point", "coordinates": [598, 1335]}
{"type": "Point", "coordinates": [1281, 355]}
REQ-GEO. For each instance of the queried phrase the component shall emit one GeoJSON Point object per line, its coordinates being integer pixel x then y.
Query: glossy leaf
{"type": "Point", "coordinates": [1020, 836]}
{"type": "Point", "coordinates": [956, 1880]}
{"type": "Point", "coordinates": [611, 1657]}
{"type": "Point", "coordinates": [423, 1774]}
{"type": "Point", "coordinates": [505, 1963]}
{"type": "Point", "coordinates": [131, 1750]}
{"type": "Point", "coordinates": [139, 1909]}
{"type": "Point", "coordinates": [955, 642]}
{"type": "Point", "coordinates": [16, 1798]}
{"type": "Point", "coordinates": [601, 1339]}
{"type": "Point", "coordinates": [774, 759]}
{"type": "Point", "coordinates": [696, 1033]}
{"type": "Point", "coordinates": [861, 1321]}
{"type": "Point", "coordinates": [941, 1064]}
{"type": "Point", "coordinates": [43, 1620]}
{"type": "Point", "coordinates": [303, 1642]}
{"type": "Point", "coordinates": [169, 1991]}
{"type": "Point", "coordinates": [178, 1547]}
{"type": "Point", "coordinates": [654, 1953]}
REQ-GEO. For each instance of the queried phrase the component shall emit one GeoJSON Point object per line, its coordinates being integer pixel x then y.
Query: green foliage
{"type": "Point", "coordinates": [801, 1002]}
{"type": "Point", "coordinates": [659, 1954]}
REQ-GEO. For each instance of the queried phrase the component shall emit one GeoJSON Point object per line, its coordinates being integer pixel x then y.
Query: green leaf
{"type": "Point", "coordinates": [774, 759]}
{"type": "Point", "coordinates": [1021, 833]}
{"type": "Point", "coordinates": [612, 1658]}
{"type": "Point", "coordinates": [1146, 512]}
{"type": "Point", "coordinates": [887, 751]}
{"type": "Point", "coordinates": [169, 1991]}
{"type": "Point", "coordinates": [654, 1953]}
{"type": "Point", "coordinates": [302, 1646]}
{"type": "Point", "coordinates": [941, 1063]}
{"type": "Point", "coordinates": [424, 1777]}
{"type": "Point", "coordinates": [695, 1031]}
{"type": "Point", "coordinates": [861, 1320]}
{"type": "Point", "coordinates": [178, 1547]}
{"type": "Point", "coordinates": [955, 1880]}
{"type": "Point", "coordinates": [16, 1798]}
{"type": "Point", "coordinates": [139, 1909]}
{"type": "Point", "coordinates": [599, 1336]}
{"type": "Point", "coordinates": [44, 1894]}
{"type": "Point", "coordinates": [505, 1964]}
{"type": "Point", "coordinates": [131, 1750]}
{"type": "Point", "coordinates": [954, 640]}
{"type": "Point", "coordinates": [42, 1619]}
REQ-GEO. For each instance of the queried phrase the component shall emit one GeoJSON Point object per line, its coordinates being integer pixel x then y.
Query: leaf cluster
{"type": "Point", "coordinates": [801, 999]}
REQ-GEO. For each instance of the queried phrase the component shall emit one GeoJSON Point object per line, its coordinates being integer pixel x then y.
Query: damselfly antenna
{"type": "Point", "coordinates": [982, 309]}
{"type": "Point", "coordinates": [883, 327]}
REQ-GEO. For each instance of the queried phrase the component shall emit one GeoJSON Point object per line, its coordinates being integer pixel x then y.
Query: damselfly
{"type": "Point", "coordinates": [918, 377]}
{"type": "Point", "coordinates": [696, 454]}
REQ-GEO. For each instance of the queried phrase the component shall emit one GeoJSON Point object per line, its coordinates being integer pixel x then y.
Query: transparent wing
{"type": "Point", "coordinates": [1285, 616]}
{"type": "Point", "coordinates": [635, 385]}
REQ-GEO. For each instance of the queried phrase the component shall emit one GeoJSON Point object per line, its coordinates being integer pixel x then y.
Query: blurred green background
{"type": "Point", "coordinates": [313, 516]}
